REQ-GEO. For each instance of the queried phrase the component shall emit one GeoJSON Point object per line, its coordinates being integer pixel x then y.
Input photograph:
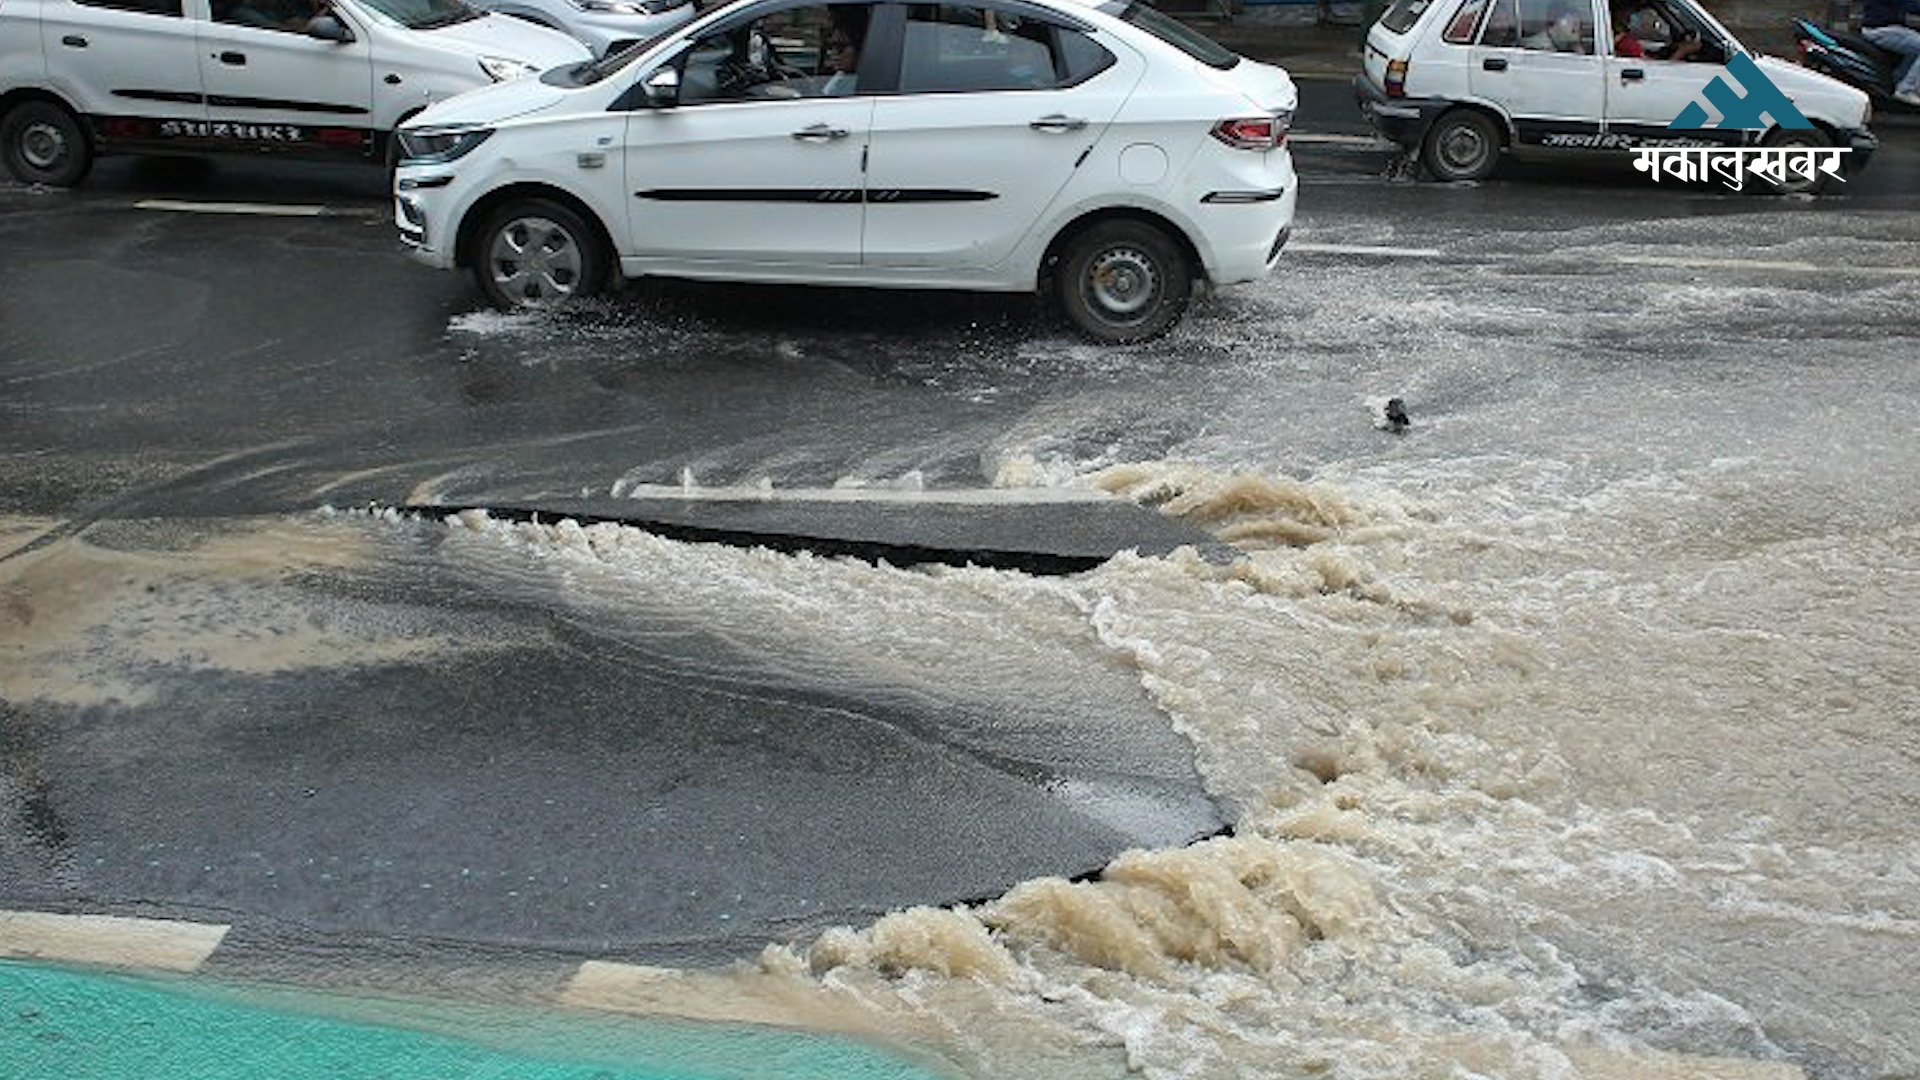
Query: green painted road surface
{"type": "Point", "coordinates": [59, 1024]}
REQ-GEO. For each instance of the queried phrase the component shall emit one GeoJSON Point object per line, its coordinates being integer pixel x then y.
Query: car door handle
{"type": "Point", "coordinates": [820, 133]}
{"type": "Point", "coordinates": [1632, 74]}
{"type": "Point", "coordinates": [232, 58]}
{"type": "Point", "coordinates": [74, 41]}
{"type": "Point", "coordinates": [1058, 123]}
{"type": "Point", "coordinates": [1494, 63]}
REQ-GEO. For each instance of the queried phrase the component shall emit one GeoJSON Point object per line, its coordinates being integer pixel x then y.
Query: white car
{"type": "Point", "coordinates": [1461, 81]}
{"type": "Point", "coordinates": [1104, 151]}
{"type": "Point", "coordinates": [602, 25]}
{"type": "Point", "coordinates": [333, 78]}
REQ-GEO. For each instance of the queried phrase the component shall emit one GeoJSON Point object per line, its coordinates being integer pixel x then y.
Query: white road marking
{"type": "Point", "coordinates": [108, 939]}
{"type": "Point", "coordinates": [256, 209]}
{"type": "Point", "coordinates": [710, 996]}
{"type": "Point", "coordinates": [1302, 248]}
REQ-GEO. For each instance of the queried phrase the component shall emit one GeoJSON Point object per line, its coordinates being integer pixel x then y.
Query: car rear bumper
{"type": "Point", "coordinates": [1247, 229]}
{"type": "Point", "coordinates": [1402, 120]}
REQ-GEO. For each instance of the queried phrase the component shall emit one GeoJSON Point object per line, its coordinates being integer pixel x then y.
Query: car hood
{"type": "Point", "coordinates": [492, 105]}
{"type": "Point", "coordinates": [510, 38]}
{"type": "Point", "coordinates": [1822, 97]}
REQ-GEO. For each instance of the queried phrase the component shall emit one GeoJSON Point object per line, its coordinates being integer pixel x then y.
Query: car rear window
{"type": "Point", "coordinates": [1460, 30]}
{"type": "Point", "coordinates": [1403, 14]}
{"type": "Point", "coordinates": [1182, 37]}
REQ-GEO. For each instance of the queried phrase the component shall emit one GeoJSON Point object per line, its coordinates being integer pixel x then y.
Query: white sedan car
{"type": "Point", "coordinates": [1100, 151]}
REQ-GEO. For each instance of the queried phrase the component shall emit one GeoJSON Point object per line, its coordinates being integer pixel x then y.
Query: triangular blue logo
{"type": "Point", "coordinates": [1737, 111]}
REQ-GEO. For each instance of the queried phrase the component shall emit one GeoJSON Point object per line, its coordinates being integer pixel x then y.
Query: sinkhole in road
{"type": "Point", "coordinates": [60, 1023]}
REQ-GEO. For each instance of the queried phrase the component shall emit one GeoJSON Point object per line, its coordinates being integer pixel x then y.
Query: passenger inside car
{"type": "Point", "coordinates": [1564, 29]}
{"type": "Point", "coordinates": [846, 35]}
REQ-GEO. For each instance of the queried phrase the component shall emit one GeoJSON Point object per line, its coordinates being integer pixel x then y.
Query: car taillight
{"type": "Point", "coordinates": [1254, 132]}
{"type": "Point", "coordinates": [1396, 78]}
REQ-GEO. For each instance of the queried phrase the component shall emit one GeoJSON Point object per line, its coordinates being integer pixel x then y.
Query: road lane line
{"type": "Point", "coordinates": [1303, 248]}
{"type": "Point", "coordinates": [256, 209]}
{"type": "Point", "coordinates": [1705, 262]}
{"type": "Point", "coordinates": [108, 939]}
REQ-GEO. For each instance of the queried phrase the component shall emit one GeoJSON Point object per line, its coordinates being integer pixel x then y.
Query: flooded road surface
{"type": "Point", "coordinates": [1572, 732]}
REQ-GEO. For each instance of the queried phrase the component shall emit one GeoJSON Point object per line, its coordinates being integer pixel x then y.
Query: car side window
{"type": "Point", "coordinates": [290, 16]}
{"type": "Point", "coordinates": [1502, 30]}
{"type": "Point", "coordinates": [963, 47]}
{"type": "Point", "coordinates": [1081, 57]}
{"type": "Point", "coordinates": [797, 52]}
{"type": "Point", "coordinates": [1564, 26]}
{"type": "Point", "coordinates": [1460, 28]}
{"type": "Point", "coordinates": [171, 8]}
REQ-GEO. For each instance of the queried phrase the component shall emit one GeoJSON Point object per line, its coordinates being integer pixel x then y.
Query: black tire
{"type": "Point", "coordinates": [44, 143]}
{"type": "Point", "coordinates": [1123, 282]}
{"type": "Point", "coordinates": [1795, 139]}
{"type": "Point", "coordinates": [574, 262]}
{"type": "Point", "coordinates": [1462, 145]}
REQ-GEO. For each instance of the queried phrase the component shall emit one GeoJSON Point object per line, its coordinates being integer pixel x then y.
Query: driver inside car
{"type": "Point", "coordinates": [1627, 43]}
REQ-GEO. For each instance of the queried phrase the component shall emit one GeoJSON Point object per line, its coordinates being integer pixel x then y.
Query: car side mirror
{"type": "Point", "coordinates": [329, 28]}
{"type": "Point", "coordinates": [661, 87]}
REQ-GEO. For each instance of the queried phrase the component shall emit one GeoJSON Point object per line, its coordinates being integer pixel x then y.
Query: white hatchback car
{"type": "Point", "coordinates": [1461, 81]}
{"type": "Point", "coordinates": [1104, 151]}
{"type": "Point", "coordinates": [329, 78]}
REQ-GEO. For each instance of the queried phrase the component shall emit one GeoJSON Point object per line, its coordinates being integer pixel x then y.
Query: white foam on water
{"type": "Point", "coordinates": [1456, 850]}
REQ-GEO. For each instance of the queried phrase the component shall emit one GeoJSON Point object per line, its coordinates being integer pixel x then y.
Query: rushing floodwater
{"type": "Point", "coordinates": [1575, 733]}
{"type": "Point", "coordinates": [1581, 723]}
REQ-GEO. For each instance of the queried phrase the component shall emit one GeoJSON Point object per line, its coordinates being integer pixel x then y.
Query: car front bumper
{"type": "Point", "coordinates": [426, 231]}
{"type": "Point", "coordinates": [1863, 143]}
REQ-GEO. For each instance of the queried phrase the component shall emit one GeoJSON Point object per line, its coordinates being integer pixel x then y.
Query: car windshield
{"type": "Point", "coordinates": [589, 72]}
{"type": "Point", "coordinates": [1180, 36]}
{"type": "Point", "coordinates": [423, 14]}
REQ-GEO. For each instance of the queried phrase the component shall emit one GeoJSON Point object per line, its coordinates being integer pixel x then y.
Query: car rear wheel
{"type": "Point", "coordinates": [538, 253]}
{"type": "Point", "coordinates": [1123, 282]}
{"type": "Point", "coordinates": [1462, 145]}
{"type": "Point", "coordinates": [1798, 139]}
{"type": "Point", "coordinates": [43, 143]}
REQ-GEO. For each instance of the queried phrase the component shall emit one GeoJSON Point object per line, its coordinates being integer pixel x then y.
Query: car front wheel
{"type": "Point", "coordinates": [1461, 145]}
{"type": "Point", "coordinates": [1798, 139]}
{"type": "Point", "coordinates": [538, 253]}
{"type": "Point", "coordinates": [43, 143]}
{"type": "Point", "coordinates": [1123, 282]}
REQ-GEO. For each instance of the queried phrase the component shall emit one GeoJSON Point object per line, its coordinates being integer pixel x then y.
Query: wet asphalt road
{"type": "Point", "coordinates": [164, 374]}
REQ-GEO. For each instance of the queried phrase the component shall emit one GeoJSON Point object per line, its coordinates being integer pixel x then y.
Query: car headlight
{"type": "Point", "coordinates": [609, 7]}
{"type": "Point", "coordinates": [500, 68]}
{"type": "Point", "coordinates": [437, 146]}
